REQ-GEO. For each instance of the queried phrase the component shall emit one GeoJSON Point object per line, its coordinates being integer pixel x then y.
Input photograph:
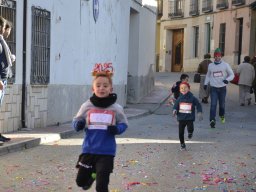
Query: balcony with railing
{"type": "Point", "coordinates": [194, 8]}
{"type": "Point", "coordinates": [160, 7]}
{"type": "Point", "coordinates": [222, 4]}
{"type": "Point", "coordinates": [176, 8]}
{"type": "Point", "coordinates": [207, 6]}
{"type": "Point", "coordinates": [238, 2]}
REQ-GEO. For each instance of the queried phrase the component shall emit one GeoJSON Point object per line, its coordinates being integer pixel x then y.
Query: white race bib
{"type": "Point", "coordinates": [217, 74]}
{"type": "Point", "coordinates": [100, 119]}
{"type": "Point", "coordinates": [185, 107]}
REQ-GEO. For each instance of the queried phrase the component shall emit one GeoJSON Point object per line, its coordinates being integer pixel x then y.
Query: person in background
{"type": "Point", "coordinates": [5, 61]}
{"type": "Point", "coordinates": [184, 108]}
{"type": "Point", "coordinates": [175, 90]}
{"type": "Point", "coordinates": [246, 74]}
{"type": "Point", "coordinates": [101, 118]}
{"type": "Point", "coordinates": [202, 69]}
{"type": "Point", "coordinates": [253, 61]}
{"type": "Point", "coordinates": [219, 74]}
{"type": "Point", "coordinates": [7, 32]}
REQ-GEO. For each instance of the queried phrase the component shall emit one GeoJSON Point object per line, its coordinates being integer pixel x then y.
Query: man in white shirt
{"type": "Point", "coordinates": [218, 76]}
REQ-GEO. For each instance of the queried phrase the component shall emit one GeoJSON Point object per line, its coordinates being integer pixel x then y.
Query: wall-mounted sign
{"type": "Point", "coordinates": [95, 10]}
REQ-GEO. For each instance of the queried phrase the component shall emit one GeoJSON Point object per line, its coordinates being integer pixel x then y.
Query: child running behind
{"type": "Point", "coordinates": [184, 108]}
{"type": "Point", "coordinates": [176, 88]}
{"type": "Point", "coordinates": [101, 118]}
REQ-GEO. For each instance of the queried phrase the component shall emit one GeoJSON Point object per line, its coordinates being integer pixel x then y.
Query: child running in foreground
{"type": "Point", "coordinates": [175, 90]}
{"type": "Point", "coordinates": [184, 108]}
{"type": "Point", "coordinates": [101, 118]}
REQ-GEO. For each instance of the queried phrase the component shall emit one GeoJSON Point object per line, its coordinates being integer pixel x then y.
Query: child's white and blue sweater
{"type": "Point", "coordinates": [97, 139]}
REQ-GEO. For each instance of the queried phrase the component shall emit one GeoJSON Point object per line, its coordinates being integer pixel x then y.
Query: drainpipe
{"type": "Point", "coordinates": [23, 97]}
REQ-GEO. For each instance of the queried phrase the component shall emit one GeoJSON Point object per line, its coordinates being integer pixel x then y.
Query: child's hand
{"type": "Point", "coordinates": [174, 113]}
{"type": "Point", "coordinates": [112, 129]}
{"type": "Point", "coordinates": [78, 124]}
{"type": "Point", "coordinates": [200, 116]}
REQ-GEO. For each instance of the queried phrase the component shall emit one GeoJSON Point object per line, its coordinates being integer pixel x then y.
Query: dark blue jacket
{"type": "Point", "coordinates": [189, 99]}
{"type": "Point", "coordinates": [3, 64]}
{"type": "Point", "coordinates": [176, 89]}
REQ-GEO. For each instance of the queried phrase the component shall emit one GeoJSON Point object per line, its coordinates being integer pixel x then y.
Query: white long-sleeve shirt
{"type": "Point", "coordinates": [217, 73]}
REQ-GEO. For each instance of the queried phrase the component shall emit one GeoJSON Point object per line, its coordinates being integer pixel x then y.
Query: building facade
{"type": "Point", "coordinates": [58, 43]}
{"type": "Point", "coordinates": [189, 29]}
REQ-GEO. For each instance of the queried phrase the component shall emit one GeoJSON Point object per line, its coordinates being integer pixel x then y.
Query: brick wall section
{"type": "Point", "coordinates": [36, 114]}
{"type": "Point", "coordinates": [10, 112]}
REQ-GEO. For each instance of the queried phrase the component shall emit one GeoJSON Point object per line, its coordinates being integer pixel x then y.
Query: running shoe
{"type": "Point", "coordinates": [90, 182]}
{"type": "Point", "coordinates": [212, 123]}
{"type": "Point", "coordinates": [182, 147]}
{"type": "Point", "coordinates": [222, 119]}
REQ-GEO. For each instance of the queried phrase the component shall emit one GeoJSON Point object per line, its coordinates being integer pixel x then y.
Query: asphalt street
{"type": "Point", "coordinates": [148, 155]}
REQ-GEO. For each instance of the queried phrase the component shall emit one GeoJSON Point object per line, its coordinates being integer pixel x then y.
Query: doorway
{"type": "Point", "coordinates": [240, 39]}
{"type": "Point", "coordinates": [177, 50]}
{"type": "Point", "coordinates": [239, 33]}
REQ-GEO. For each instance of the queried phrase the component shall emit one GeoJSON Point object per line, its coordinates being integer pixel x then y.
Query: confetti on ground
{"type": "Point", "coordinates": [129, 185]}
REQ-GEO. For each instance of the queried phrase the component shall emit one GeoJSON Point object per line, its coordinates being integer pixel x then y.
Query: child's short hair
{"type": "Point", "coordinates": [185, 83]}
{"type": "Point", "coordinates": [103, 74]}
{"type": "Point", "coordinates": [183, 76]}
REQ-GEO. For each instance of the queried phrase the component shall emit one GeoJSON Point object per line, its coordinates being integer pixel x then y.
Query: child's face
{"type": "Point", "coordinates": [102, 87]}
{"type": "Point", "coordinates": [184, 89]}
{"type": "Point", "coordinates": [185, 80]}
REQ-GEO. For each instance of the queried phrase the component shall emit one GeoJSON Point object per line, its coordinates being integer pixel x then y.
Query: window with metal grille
{"type": "Point", "coordinates": [160, 7]}
{"type": "Point", "coordinates": [222, 4]}
{"type": "Point", "coordinates": [196, 41]}
{"type": "Point", "coordinates": [176, 8]}
{"type": "Point", "coordinates": [40, 57]}
{"type": "Point", "coordinates": [207, 6]}
{"type": "Point", "coordinates": [238, 2]}
{"type": "Point", "coordinates": [194, 7]}
{"type": "Point", "coordinates": [207, 38]}
{"type": "Point", "coordinates": [222, 38]}
{"type": "Point", "coordinates": [8, 11]}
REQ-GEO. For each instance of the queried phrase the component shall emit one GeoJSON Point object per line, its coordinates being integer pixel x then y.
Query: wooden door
{"type": "Point", "coordinates": [177, 50]}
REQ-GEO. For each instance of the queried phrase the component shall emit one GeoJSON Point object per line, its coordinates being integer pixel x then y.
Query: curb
{"type": "Point", "coordinates": [34, 142]}
{"type": "Point", "coordinates": [20, 146]}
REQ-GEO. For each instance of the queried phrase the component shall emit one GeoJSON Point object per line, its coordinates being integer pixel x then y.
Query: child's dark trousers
{"type": "Point", "coordinates": [102, 165]}
{"type": "Point", "coordinates": [182, 126]}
